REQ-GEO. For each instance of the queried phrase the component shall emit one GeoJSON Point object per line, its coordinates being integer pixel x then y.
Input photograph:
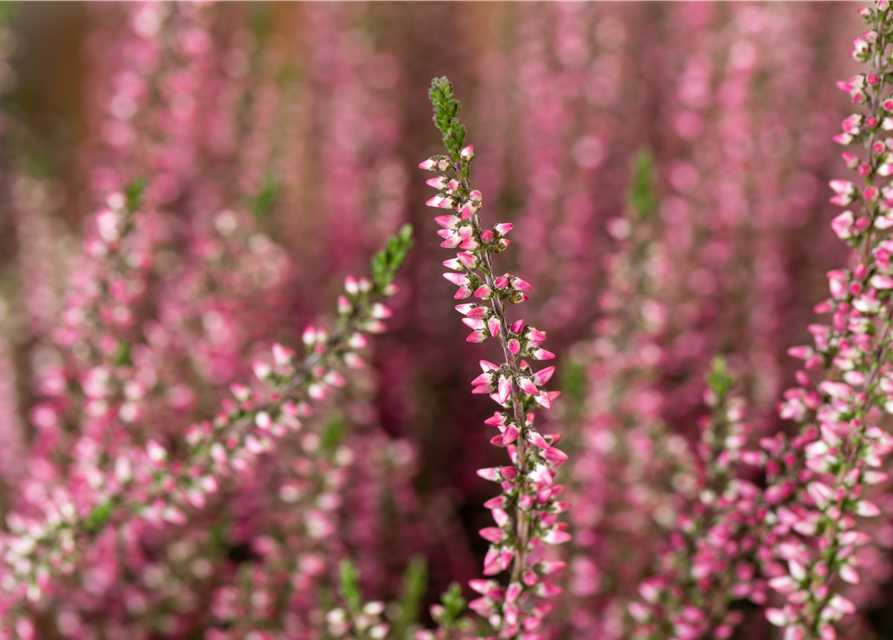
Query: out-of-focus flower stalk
{"type": "Point", "coordinates": [705, 567]}
{"type": "Point", "coordinates": [12, 451]}
{"type": "Point", "coordinates": [631, 471]}
{"type": "Point", "coordinates": [361, 621]}
{"type": "Point", "coordinates": [570, 145]}
{"type": "Point", "coordinates": [151, 483]}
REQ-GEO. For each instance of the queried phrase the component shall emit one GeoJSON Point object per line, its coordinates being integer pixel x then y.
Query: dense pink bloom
{"type": "Point", "coordinates": [528, 488]}
{"type": "Point", "coordinates": [199, 424]}
{"type": "Point", "coordinates": [819, 476]}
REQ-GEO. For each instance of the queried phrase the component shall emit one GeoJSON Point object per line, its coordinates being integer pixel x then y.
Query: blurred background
{"type": "Point", "coordinates": [308, 120]}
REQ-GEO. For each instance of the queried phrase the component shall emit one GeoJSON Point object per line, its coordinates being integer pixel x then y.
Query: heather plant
{"type": "Point", "coordinates": [716, 194]}
{"type": "Point", "coordinates": [631, 472]}
{"type": "Point", "coordinates": [517, 544]}
{"type": "Point", "coordinates": [569, 91]}
{"type": "Point", "coordinates": [183, 456]}
{"type": "Point", "coordinates": [707, 564]}
{"type": "Point", "coordinates": [817, 479]}
{"type": "Point", "coordinates": [142, 481]}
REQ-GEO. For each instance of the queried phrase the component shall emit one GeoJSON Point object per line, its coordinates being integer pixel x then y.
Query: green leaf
{"type": "Point", "coordinates": [332, 434]}
{"type": "Point", "coordinates": [641, 194]}
{"type": "Point", "coordinates": [719, 380]}
{"type": "Point", "coordinates": [99, 516]}
{"type": "Point", "coordinates": [387, 262]}
{"type": "Point", "coordinates": [446, 116]}
{"type": "Point", "coordinates": [122, 355]}
{"type": "Point", "coordinates": [573, 381]}
{"type": "Point", "coordinates": [349, 585]}
{"type": "Point", "coordinates": [262, 204]}
{"type": "Point", "coordinates": [453, 603]}
{"type": "Point", "coordinates": [134, 193]}
{"type": "Point", "coordinates": [415, 581]}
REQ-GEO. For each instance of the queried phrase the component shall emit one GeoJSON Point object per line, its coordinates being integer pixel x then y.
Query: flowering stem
{"type": "Point", "coordinates": [836, 445]}
{"type": "Point", "coordinates": [498, 307]}
{"type": "Point", "coordinates": [527, 484]}
{"type": "Point", "coordinates": [147, 484]}
{"type": "Point", "coordinates": [708, 564]}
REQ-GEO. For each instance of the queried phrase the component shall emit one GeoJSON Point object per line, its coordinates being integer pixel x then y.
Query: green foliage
{"type": "Point", "coordinates": [332, 434]}
{"type": "Point", "coordinates": [287, 79]}
{"type": "Point", "coordinates": [349, 585]}
{"type": "Point", "coordinates": [260, 20]}
{"type": "Point", "coordinates": [121, 357]}
{"type": "Point", "coordinates": [453, 606]}
{"type": "Point", "coordinates": [573, 381]}
{"type": "Point", "coordinates": [8, 10]}
{"type": "Point", "coordinates": [39, 162]}
{"type": "Point", "coordinates": [415, 581]}
{"type": "Point", "coordinates": [134, 192]}
{"type": "Point", "coordinates": [720, 380]}
{"type": "Point", "coordinates": [262, 204]}
{"type": "Point", "coordinates": [387, 262]}
{"type": "Point", "coordinates": [641, 194]}
{"type": "Point", "coordinates": [446, 116]}
{"type": "Point", "coordinates": [218, 539]}
{"type": "Point", "coordinates": [99, 516]}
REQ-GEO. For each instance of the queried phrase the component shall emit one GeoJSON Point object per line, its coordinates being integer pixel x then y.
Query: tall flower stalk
{"type": "Point", "coordinates": [705, 566]}
{"type": "Point", "coordinates": [571, 143]}
{"type": "Point", "coordinates": [527, 483]}
{"type": "Point", "coordinates": [631, 473]}
{"type": "Point", "coordinates": [817, 480]}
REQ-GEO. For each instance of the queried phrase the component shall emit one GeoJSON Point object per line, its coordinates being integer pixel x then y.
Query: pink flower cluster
{"type": "Point", "coordinates": [190, 448]}
{"type": "Point", "coordinates": [528, 487]}
{"type": "Point", "coordinates": [817, 480]}
{"type": "Point", "coordinates": [707, 564]}
{"type": "Point", "coordinates": [175, 293]}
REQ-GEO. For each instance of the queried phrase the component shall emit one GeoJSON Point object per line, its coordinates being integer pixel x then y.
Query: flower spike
{"type": "Point", "coordinates": [527, 483]}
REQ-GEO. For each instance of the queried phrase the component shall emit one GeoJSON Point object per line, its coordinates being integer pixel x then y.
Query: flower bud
{"type": "Point", "coordinates": [439, 182]}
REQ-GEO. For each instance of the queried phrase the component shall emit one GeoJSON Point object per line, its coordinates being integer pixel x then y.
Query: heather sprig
{"type": "Point", "coordinates": [632, 472]}
{"type": "Point", "coordinates": [708, 564]}
{"type": "Point", "coordinates": [364, 621]}
{"type": "Point", "coordinates": [527, 483]}
{"type": "Point", "coordinates": [447, 615]}
{"type": "Point", "coordinates": [361, 621]}
{"type": "Point", "coordinates": [253, 414]}
{"type": "Point", "coordinates": [446, 119]}
{"type": "Point", "coordinates": [817, 479]}
{"type": "Point", "coordinates": [154, 484]}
